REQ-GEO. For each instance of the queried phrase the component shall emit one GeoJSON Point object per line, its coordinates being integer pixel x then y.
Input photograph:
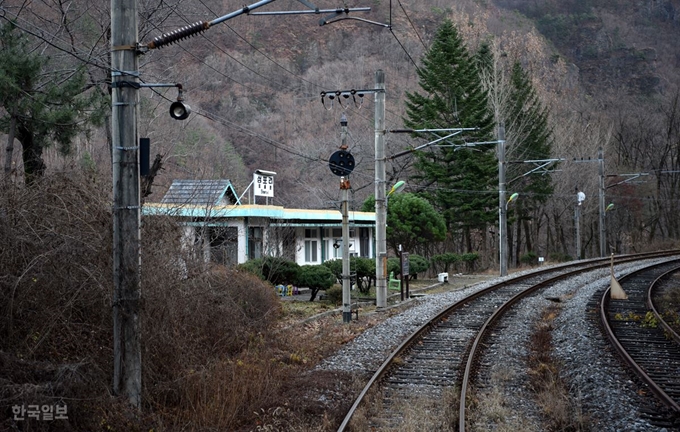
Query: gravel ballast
{"type": "Point", "coordinates": [606, 395]}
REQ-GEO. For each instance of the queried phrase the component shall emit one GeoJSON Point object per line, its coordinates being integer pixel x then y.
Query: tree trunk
{"type": "Point", "coordinates": [527, 236]}
{"type": "Point", "coordinates": [34, 166]}
{"type": "Point", "coordinates": [10, 142]}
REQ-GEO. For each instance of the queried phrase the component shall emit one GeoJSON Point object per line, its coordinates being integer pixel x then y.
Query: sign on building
{"type": "Point", "coordinates": [264, 185]}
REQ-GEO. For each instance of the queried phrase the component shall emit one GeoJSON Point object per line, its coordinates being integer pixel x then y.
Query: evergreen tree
{"type": "Point", "coordinates": [459, 181]}
{"type": "Point", "coordinates": [411, 222]}
{"type": "Point", "coordinates": [41, 106]}
{"type": "Point", "coordinates": [529, 138]}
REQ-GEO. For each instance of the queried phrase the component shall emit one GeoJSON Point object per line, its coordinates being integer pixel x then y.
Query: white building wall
{"type": "Point", "coordinates": [325, 245]}
{"type": "Point", "coordinates": [242, 247]}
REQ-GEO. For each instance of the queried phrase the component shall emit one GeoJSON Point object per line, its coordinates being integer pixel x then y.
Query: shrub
{"type": "Point", "coordinates": [315, 277]}
{"type": "Point", "coordinates": [55, 310]}
{"type": "Point", "coordinates": [560, 257]}
{"type": "Point", "coordinates": [273, 269]}
{"type": "Point", "coordinates": [529, 258]}
{"type": "Point", "coordinates": [334, 295]}
{"type": "Point", "coordinates": [470, 259]}
{"type": "Point", "coordinates": [335, 266]}
{"type": "Point", "coordinates": [362, 268]}
{"type": "Point", "coordinates": [393, 267]}
{"type": "Point", "coordinates": [417, 264]}
{"type": "Point", "coordinates": [253, 267]}
{"type": "Point", "coordinates": [445, 261]}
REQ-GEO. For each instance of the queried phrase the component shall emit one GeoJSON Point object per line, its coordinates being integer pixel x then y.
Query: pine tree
{"type": "Point", "coordinates": [460, 182]}
{"type": "Point", "coordinates": [529, 137]}
{"type": "Point", "coordinates": [41, 106]}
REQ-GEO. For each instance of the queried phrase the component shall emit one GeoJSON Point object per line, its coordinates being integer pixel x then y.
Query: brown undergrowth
{"type": "Point", "coordinates": [560, 410]}
{"type": "Point", "coordinates": [211, 358]}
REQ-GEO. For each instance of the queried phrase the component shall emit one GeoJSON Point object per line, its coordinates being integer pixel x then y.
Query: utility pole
{"type": "Point", "coordinates": [577, 218]}
{"type": "Point", "coordinates": [601, 190]}
{"type": "Point", "coordinates": [127, 361]}
{"type": "Point", "coordinates": [380, 204]}
{"type": "Point", "coordinates": [502, 206]}
{"type": "Point", "coordinates": [338, 166]}
{"type": "Point", "coordinates": [600, 162]}
{"type": "Point", "coordinates": [346, 294]}
{"type": "Point", "coordinates": [344, 187]}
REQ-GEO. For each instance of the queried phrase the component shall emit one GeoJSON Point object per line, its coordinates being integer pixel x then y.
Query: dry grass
{"type": "Point", "coordinates": [561, 411]}
{"type": "Point", "coordinates": [417, 412]}
{"type": "Point", "coordinates": [211, 360]}
{"type": "Point", "coordinates": [492, 412]}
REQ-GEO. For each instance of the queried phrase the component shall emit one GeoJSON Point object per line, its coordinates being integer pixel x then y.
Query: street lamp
{"type": "Point", "coordinates": [503, 238]}
{"type": "Point", "coordinates": [381, 242]}
{"type": "Point", "coordinates": [580, 197]}
{"type": "Point", "coordinates": [398, 187]}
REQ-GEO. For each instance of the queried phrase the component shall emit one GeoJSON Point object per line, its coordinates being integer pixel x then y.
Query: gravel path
{"type": "Point", "coordinates": [604, 392]}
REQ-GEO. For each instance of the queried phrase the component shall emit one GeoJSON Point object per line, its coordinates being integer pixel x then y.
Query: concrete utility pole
{"type": "Point", "coordinates": [380, 204]}
{"type": "Point", "coordinates": [344, 187]}
{"type": "Point", "coordinates": [577, 218]}
{"type": "Point", "coordinates": [502, 205]}
{"type": "Point", "coordinates": [346, 294]}
{"type": "Point", "coordinates": [603, 244]}
{"type": "Point", "coordinates": [127, 362]}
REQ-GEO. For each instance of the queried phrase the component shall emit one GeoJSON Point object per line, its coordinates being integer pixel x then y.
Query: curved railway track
{"type": "Point", "coordinates": [646, 343]}
{"type": "Point", "coordinates": [441, 355]}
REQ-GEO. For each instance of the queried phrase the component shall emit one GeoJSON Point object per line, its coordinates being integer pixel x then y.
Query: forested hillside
{"type": "Point", "coordinates": [605, 71]}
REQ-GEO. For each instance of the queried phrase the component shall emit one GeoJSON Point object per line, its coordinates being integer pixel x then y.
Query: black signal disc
{"type": "Point", "coordinates": [341, 163]}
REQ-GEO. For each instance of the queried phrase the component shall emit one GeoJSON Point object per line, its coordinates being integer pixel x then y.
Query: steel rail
{"type": "Point", "coordinates": [650, 304]}
{"type": "Point", "coordinates": [496, 316]}
{"type": "Point", "coordinates": [627, 358]}
{"type": "Point", "coordinates": [410, 340]}
{"type": "Point", "coordinates": [481, 334]}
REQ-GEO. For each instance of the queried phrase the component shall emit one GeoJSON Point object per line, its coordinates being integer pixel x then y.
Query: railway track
{"type": "Point", "coordinates": [437, 362]}
{"type": "Point", "coordinates": [646, 343]}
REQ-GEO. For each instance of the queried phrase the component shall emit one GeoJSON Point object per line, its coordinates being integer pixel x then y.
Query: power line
{"type": "Point", "coordinates": [411, 22]}
{"type": "Point", "coordinates": [41, 36]}
{"type": "Point", "coordinates": [404, 49]}
{"type": "Point", "coordinates": [260, 52]}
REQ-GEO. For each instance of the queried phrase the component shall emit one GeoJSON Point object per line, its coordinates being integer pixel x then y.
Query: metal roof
{"type": "Point", "coordinates": [201, 192]}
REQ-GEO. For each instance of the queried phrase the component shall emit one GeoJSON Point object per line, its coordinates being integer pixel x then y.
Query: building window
{"type": "Point", "coordinates": [311, 253]}
{"type": "Point", "coordinates": [255, 237]}
{"type": "Point", "coordinates": [310, 233]}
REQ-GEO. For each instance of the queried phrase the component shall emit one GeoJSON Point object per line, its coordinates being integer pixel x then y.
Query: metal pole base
{"type": "Point", "coordinates": [347, 317]}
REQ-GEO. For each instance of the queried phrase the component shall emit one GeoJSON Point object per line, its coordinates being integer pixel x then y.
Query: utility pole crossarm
{"type": "Point", "coordinates": [630, 178]}
{"type": "Point", "coordinates": [540, 165]}
{"type": "Point", "coordinates": [455, 131]}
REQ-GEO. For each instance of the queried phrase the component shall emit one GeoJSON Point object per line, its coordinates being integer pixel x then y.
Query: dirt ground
{"type": "Point", "coordinates": [298, 308]}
